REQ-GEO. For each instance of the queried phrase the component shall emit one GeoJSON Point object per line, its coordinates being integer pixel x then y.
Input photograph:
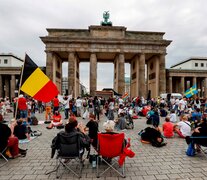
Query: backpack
{"type": "Point", "coordinates": [34, 121]}
{"type": "Point", "coordinates": [191, 150]}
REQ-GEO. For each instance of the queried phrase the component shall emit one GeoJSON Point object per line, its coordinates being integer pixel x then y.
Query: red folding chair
{"type": "Point", "coordinates": [110, 147]}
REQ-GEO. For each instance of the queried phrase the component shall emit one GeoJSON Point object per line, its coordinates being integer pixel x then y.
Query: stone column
{"type": "Point", "coordinates": [162, 74]}
{"type": "Point", "coordinates": [142, 87]}
{"type": "Point", "coordinates": [1, 86]}
{"type": "Point", "coordinates": [121, 72]}
{"type": "Point", "coordinates": [205, 87]}
{"type": "Point", "coordinates": [170, 84]}
{"type": "Point", "coordinates": [199, 87]}
{"type": "Point", "coordinates": [7, 87]}
{"type": "Point", "coordinates": [78, 90]}
{"type": "Point", "coordinates": [182, 85]}
{"type": "Point", "coordinates": [13, 85]}
{"type": "Point", "coordinates": [116, 73]}
{"type": "Point", "coordinates": [134, 68]}
{"type": "Point", "coordinates": [49, 65]}
{"type": "Point", "coordinates": [93, 74]}
{"type": "Point", "coordinates": [194, 81]}
{"type": "Point", "coordinates": [71, 74]}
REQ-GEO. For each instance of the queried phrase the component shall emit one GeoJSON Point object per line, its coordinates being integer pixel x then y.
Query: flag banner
{"type": "Point", "coordinates": [35, 83]}
{"type": "Point", "coordinates": [191, 91]}
{"type": "Point", "coordinates": [125, 96]}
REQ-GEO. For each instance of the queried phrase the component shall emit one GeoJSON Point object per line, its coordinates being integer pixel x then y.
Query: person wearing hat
{"type": "Point", "coordinates": [22, 106]}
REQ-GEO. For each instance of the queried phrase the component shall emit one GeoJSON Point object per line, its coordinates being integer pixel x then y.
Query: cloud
{"type": "Point", "coordinates": [24, 21]}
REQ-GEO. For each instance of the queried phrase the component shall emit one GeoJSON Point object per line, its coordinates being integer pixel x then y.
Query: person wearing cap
{"type": "Point", "coordinates": [22, 106]}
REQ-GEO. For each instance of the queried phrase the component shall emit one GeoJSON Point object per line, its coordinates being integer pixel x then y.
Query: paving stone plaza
{"type": "Point", "coordinates": [168, 162]}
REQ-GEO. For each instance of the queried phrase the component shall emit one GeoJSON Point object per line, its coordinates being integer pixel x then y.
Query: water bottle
{"type": "Point", "coordinates": [94, 161]}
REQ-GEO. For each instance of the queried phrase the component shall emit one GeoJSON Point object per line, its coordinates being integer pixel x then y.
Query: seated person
{"type": "Point", "coordinates": [72, 128]}
{"type": "Point", "coordinates": [163, 112]}
{"type": "Point", "coordinates": [56, 120]}
{"type": "Point", "coordinates": [10, 141]}
{"type": "Point", "coordinates": [200, 131]}
{"type": "Point", "coordinates": [121, 109]}
{"type": "Point", "coordinates": [121, 122]}
{"type": "Point", "coordinates": [92, 127]}
{"type": "Point", "coordinates": [183, 128]}
{"type": "Point", "coordinates": [21, 131]}
{"type": "Point", "coordinates": [153, 136]}
{"type": "Point", "coordinates": [155, 119]}
{"type": "Point", "coordinates": [173, 116]}
{"type": "Point", "coordinates": [196, 116]}
{"type": "Point", "coordinates": [168, 128]}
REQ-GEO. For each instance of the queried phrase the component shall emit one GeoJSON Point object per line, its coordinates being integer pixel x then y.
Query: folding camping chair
{"type": "Point", "coordinates": [3, 156]}
{"type": "Point", "coordinates": [201, 141]}
{"type": "Point", "coordinates": [110, 146]}
{"type": "Point", "coordinates": [68, 150]}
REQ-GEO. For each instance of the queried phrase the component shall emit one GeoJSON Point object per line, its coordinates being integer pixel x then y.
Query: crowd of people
{"type": "Point", "coordinates": [184, 117]}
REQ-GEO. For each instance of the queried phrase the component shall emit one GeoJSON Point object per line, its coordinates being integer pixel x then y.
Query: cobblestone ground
{"type": "Point", "coordinates": [169, 162]}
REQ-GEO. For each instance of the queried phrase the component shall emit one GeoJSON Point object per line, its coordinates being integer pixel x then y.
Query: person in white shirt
{"type": "Point", "coordinates": [183, 128]}
{"type": "Point", "coordinates": [66, 106]}
{"type": "Point", "coordinates": [197, 103]}
{"type": "Point", "coordinates": [78, 106]}
{"type": "Point", "coordinates": [173, 117]}
{"type": "Point", "coordinates": [121, 101]}
{"type": "Point", "coordinates": [182, 106]}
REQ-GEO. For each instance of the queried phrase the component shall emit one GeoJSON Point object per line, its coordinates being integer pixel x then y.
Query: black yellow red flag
{"type": "Point", "coordinates": [35, 83]}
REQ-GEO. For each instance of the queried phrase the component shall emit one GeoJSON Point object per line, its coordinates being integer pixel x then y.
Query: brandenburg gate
{"type": "Point", "coordinates": [145, 51]}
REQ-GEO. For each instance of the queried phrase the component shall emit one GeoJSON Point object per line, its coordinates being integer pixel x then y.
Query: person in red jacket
{"type": "Point", "coordinates": [55, 104]}
{"type": "Point", "coordinates": [168, 128]}
{"type": "Point", "coordinates": [22, 106]}
{"type": "Point", "coordinates": [56, 120]}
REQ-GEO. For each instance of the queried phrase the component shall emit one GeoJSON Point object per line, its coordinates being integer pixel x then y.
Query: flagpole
{"type": "Point", "coordinates": [20, 84]}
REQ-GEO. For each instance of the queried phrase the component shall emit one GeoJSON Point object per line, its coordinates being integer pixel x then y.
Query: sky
{"type": "Point", "coordinates": [22, 22]}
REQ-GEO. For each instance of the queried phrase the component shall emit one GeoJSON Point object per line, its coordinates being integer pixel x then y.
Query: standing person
{"type": "Point", "coordinates": [40, 106]}
{"type": "Point", "coordinates": [66, 106]}
{"type": "Point", "coordinates": [85, 104]}
{"type": "Point", "coordinates": [48, 110]}
{"type": "Point", "coordinates": [197, 103]}
{"type": "Point", "coordinates": [22, 107]}
{"type": "Point", "coordinates": [182, 106]}
{"type": "Point", "coordinates": [96, 105]}
{"type": "Point", "coordinates": [33, 108]}
{"type": "Point", "coordinates": [90, 105]}
{"type": "Point", "coordinates": [78, 106]}
{"type": "Point", "coordinates": [111, 109]}
{"type": "Point", "coordinates": [92, 127]}
{"type": "Point", "coordinates": [55, 104]}
{"type": "Point", "coordinates": [168, 128]}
